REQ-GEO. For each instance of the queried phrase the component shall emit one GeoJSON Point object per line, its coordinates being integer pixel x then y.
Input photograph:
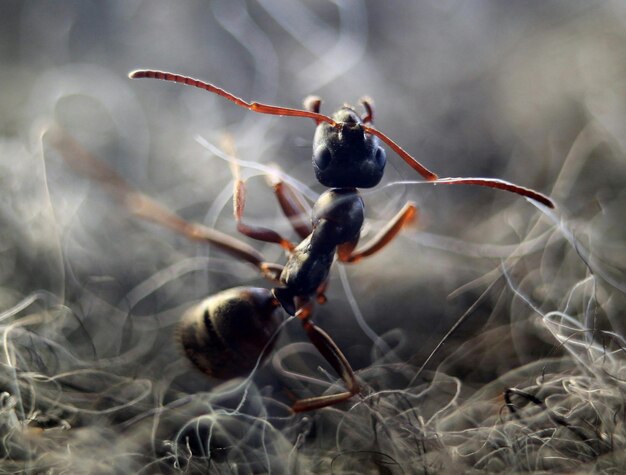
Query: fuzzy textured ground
{"type": "Point", "coordinates": [532, 381]}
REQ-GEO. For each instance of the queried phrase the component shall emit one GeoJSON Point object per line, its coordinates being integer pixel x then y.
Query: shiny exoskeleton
{"type": "Point", "coordinates": [231, 332]}
{"type": "Point", "coordinates": [337, 219]}
{"type": "Point", "coordinates": [225, 334]}
{"type": "Point", "coordinates": [344, 158]}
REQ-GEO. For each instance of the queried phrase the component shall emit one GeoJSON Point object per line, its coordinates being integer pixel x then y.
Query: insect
{"type": "Point", "coordinates": [230, 332]}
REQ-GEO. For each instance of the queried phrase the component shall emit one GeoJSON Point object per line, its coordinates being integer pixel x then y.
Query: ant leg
{"type": "Point", "coordinates": [320, 293]}
{"type": "Point", "coordinates": [141, 205]}
{"type": "Point", "coordinates": [292, 204]}
{"type": "Point", "coordinates": [407, 214]}
{"type": "Point", "coordinates": [331, 352]}
{"type": "Point", "coordinates": [239, 201]}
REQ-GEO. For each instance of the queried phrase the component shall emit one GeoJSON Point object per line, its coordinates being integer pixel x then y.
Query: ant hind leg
{"type": "Point", "coordinates": [331, 352]}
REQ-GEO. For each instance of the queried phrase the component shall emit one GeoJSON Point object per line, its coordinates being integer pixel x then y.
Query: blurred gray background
{"type": "Point", "coordinates": [531, 92]}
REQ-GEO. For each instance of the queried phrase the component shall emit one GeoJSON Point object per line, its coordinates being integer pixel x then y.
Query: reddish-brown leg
{"type": "Point", "coordinates": [259, 233]}
{"type": "Point", "coordinates": [239, 201]}
{"type": "Point", "coordinates": [331, 352]}
{"type": "Point", "coordinates": [141, 205]}
{"type": "Point", "coordinates": [292, 204]}
{"type": "Point", "coordinates": [406, 215]}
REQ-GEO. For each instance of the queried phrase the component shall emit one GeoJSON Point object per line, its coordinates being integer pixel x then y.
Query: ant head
{"type": "Point", "coordinates": [346, 153]}
{"type": "Point", "coordinates": [344, 156]}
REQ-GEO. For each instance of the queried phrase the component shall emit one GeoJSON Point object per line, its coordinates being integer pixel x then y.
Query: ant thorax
{"type": "Point", "coordinates": [337, 218]}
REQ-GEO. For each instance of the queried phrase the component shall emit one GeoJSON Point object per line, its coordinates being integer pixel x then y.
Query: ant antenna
{"type": "Point", "coordinates": [317, 117]}
{"type": "Point", "coordinates": [500, 185]}
{"type": "Point", "coordinates": [253, 106]}
{"type": "Point", "coordinates": [283, 111]}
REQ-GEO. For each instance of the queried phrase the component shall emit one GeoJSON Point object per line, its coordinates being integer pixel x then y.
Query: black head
{"type": "Point", "coordinates": [344, 156]}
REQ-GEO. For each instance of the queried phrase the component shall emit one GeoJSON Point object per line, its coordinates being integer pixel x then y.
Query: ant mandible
{"type": "Point", "coordinates": [230, 332]}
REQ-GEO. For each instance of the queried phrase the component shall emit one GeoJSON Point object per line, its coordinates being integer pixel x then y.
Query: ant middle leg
{"type": "Point", "coordinates": [258, 233]}
{"type": "Point", "coordinates": [408, 214]}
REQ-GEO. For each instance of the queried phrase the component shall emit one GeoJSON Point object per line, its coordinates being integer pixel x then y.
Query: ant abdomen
{"type": "Point", "coordinates": [225, 335]}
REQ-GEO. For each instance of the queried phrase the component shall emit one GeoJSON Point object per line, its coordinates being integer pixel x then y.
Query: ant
{"type": "Point", "coordinates": [229, 333]}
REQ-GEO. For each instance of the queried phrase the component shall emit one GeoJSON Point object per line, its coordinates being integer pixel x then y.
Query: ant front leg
{"type": "Point", "coordinates": [292, 204]}
{"type": "Point", "coordinates": [331, 352]}
{"type": "Point", "coordinates": [408, 214]}
{"type": "Point", "coordinates": [258, 233]}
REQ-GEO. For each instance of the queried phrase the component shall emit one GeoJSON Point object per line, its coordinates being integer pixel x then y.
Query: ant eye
{"type": "Point", "coordinates": [321, 158]}
{"type": "Point", "coordinates": [381, 157]}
